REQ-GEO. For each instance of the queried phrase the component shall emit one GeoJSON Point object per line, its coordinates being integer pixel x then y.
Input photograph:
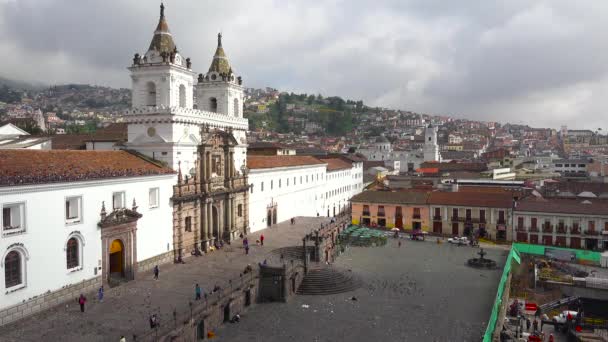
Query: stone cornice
{"type": "Point", "coordinates": [183, 115]}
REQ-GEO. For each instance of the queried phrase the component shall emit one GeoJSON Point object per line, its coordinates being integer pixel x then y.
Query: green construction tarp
{"type": "Point", "coordinates": [514, 255]}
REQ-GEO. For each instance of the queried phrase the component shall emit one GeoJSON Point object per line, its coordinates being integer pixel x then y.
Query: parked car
{"type": "Point", "coordinates": [459, 240]}
{"type": "Point", "coordinates": [563, 316]}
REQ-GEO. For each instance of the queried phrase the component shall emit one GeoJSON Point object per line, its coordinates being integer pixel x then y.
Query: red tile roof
{"type": "Point", "coordinates": [334, 164]}
{"type": "Point", "coordinates": [428, 170]}
{"type": "Point", "coordinates": [266, 162]}
{"type": "Point", "coordinates": [564, 206]}
{"type": "Point", "coordinates": [23, 166]}
{"type": "Point", "coordinates": [455, 166]}
{"type": "Point", "coordinates": [488, 200]}
{"type": "Point", "coordinates": [398, 197]}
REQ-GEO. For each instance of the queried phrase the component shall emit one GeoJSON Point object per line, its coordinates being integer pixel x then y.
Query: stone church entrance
{"type": "Point", "coordinates": [211, 203]}
{"type": "Point", "coordinates": [118, 244]}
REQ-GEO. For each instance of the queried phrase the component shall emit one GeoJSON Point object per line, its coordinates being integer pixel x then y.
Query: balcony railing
{"type": "Point", "coordinates": [547, 228]}
{"type": "Point", "coordinates": [591, 232]}
{"type": "Point", "coordinates": [575, 230]}
{"type": "Point", "coordinates": [366, 213]}
{"type": "Point", "coordinates": [501, 221]}
{"type": "Point", "coordinates": [534, 229]}
{"type": "Point", "coordinates": [437, 218]}
{"type": "Point", "coordinates": [520, 229]}
{"type": "Point", "coordinates": [455, 218]}
{"type": "Point", "coordinates": [561, 230]}
{"type": "Point", "coordinates": [416, 217]}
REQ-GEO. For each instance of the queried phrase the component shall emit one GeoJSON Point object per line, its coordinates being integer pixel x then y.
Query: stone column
{"type": "Point", "coordinates": [220, 219]}
{"type": "Point", "coordinates": [197, 225]}
{"type": "Point", "coordinates": [229, 213]}
{"type": "Point", "coordinates": [232, 214]}
{"type": "Point", "coordinates": [179, 229]}
{"type": "Point", "coordinates": [209, 219]}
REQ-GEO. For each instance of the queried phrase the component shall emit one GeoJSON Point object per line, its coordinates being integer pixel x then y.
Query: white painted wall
{"type": "Point", "coordinates": [47, 232]}
{"type": "Point", "coordinates": [323, 191]}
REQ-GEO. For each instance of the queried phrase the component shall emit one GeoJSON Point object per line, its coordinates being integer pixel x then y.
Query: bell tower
{"type": "Point", "coordinates": [431, 149]}
{"type": "Point", "coordinates": [162, 77]}
{"type": "Point", "coordinates": [220, 90]}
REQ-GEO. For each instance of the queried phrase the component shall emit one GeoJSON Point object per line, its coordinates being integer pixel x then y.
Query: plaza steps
{"type": "Point", "coordinates": [292, 252]}
{"type": "Point", "coordinates": [327, 280]}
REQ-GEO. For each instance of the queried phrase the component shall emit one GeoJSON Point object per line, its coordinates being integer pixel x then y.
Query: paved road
{"type": "Point", "coordinates": [126, 308]}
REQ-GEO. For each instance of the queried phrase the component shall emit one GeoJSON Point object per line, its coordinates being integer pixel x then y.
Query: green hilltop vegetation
{"type": "Point", "coordinates": [291, 112]}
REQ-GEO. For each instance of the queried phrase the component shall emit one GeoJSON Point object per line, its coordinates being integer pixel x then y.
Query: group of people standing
{"type": "Point", "coordinates": [246, 243]}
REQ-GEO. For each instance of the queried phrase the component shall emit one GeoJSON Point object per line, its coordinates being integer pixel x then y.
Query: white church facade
{"type": "Point", "coordinates": [74, 220]}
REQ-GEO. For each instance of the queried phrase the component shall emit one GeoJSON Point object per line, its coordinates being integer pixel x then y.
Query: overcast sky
{"type": "Point", "coordinates": [544, 63]}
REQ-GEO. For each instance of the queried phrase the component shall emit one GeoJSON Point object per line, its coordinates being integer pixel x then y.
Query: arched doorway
{"type": "Point", "coordinates": [274, 215]}
{"type": "Point", "coordinates": [117, 259]}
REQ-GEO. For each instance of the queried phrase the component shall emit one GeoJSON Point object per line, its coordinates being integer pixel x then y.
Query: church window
{"type": "Point", "coordinates": [188, 224]}
{"type": "Point", "coordinates": [240, 210]}
{"type": "Point", "coordinates": [153, 197]}
{"type": "Point", "coordinates": [251, 187]}
{"type": "Point", "coordinates": [300, 179]}
{"type": "Point", "coordinates": [182, 96]}
{"type": "Point", "coordinates": [118, 200]}
{"type": "Point", "coordinates": [213, 105]}
{"type": "Point", "coordinates": [271, 184]}
{"type": "Point", "coordinates": [73, 209]}
{"type": "Point", "coordinates": [279, 183]}
{"type": "Point", "coordinates": [216, 164]}
{"type": "Point", "coordinates": [13, 218]}
{"type": "Point", "coordinates": [262, 186]}
{"type": "Point", "coordinates": [287, 181]}
{"type": "Point", "coordinates": [12, 269]}
{"type": "Point", "coordinates": [236, 107]}
{"type": "Point", "coordinates": [72, 253]}
{"type": "Point", "coordinates": [151, 94]}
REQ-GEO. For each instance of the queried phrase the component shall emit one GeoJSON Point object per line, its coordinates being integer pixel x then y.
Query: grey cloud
{"type": "Point", "coordinates": [536, 61]}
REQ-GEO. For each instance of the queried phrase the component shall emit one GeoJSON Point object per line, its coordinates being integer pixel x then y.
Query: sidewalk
{"type": "Point", "coordinates": [126, 309]}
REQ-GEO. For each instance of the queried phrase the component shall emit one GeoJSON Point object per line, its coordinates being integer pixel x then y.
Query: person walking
{"type": "Point", "coordinates": [262, 239]}
{"type": "Point", "coordinates": [246, 249]}
{"type": "Point", "coordinates": [197, 291]}
{"type": "Point", "coordinates": [82, 300]}
{"type": "Point", "coordinates": [156, 271]}
{"type": "Point", "coordinates": [399, 243]}
{"type": "Point", "coordinates": [535, 325]}
{"type": "Point", "coordinates": [100, 294]}
{"type": "Point", "coordinates": [528, 323]}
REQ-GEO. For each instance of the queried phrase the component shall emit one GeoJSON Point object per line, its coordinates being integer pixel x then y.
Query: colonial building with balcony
{"type": "Point", "coordinates": [575, 223]}
{"type": "Point", "coordinates": [406, 210]}
{"type": "Point", "coordinates": [471, 213]}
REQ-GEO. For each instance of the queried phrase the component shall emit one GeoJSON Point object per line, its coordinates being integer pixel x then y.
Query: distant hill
{"type": "Point", "coordinates": [21, 85]}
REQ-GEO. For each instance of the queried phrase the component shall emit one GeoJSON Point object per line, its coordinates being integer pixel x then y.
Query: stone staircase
{"type": "Point", "coordinates": [326, 280]}
{"type": "Point", "coordinates": [292, 252]}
